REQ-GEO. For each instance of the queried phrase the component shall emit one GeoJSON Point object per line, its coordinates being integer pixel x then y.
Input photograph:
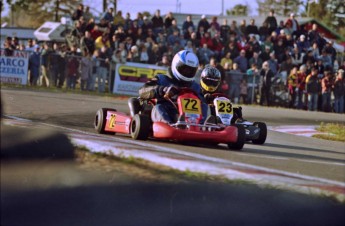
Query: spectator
{"type": "Point", "coordinates": [303, 45]}
{"type": "Point", "coordinates": [235, 77]}
{"type": "Point", "coordinates": [264, 31]}
{"type": "Point", "coordinates": [87, 43]}
{"type": "Point", "coordinates": [252, 82]}
{"type": "Point", "coordinates": [55, 65]}
{"type": "Point", "coordinates": [168, 20]}
{"type": "Point", "coordinates": [102, 70]}
{"type": "Point", "coordinates": [326, 88]}
{"type": "Point", "coordinates": [34, 66]}
{"type": "Point", "coordinates": [103, 41]}
{"type": "Point", "coordinates": [339, 92]}
{"type": "Point", "coordinates": [233, 49]}
{"type": "Point", "coordinates": [266, 76]}
{"type": "Point", "coordinates": [265, 55]}
{"type": "Point", "coordinates": [301, 97]}
{"type": "Point", "coordinates": [86, 71]}
{"type": "Point", "coordinates": [271, 21]}
{"type": "Point", "coordinates": [90, 24]}
{"type": "Point", "coordinates": [212, 31]}
{"type": "Point", "coordinates": [252, 28]}
{"type": "Point", "coordinates": [133, 55]}
{"type": "Point", "coordinates": [195, 41]}
{"type": "Point", "coordinates": [309, 57]}
{"type": "Point", "coordinates": [147, 25]}
{"type": "Point", "coordinates": [87, 14]}
{"type": "Point", "coordinates": [235, 30]}
{"type": "Point", "coordinates": [204, 54]}
{"type": "Point", "coordinates": [173, 27]}
{"type": "Point", "coordinates": [273, 64]}
{"type": "Point", "coordinates": [78, 12]}
{"type": "Point", "coordinates": [188, 34]}
{"type": "Point", "coordinates": [226, 59]}
{"type": "Point", "coordinates": [96, 32]}
{"type": "Point", "coordinates": [128, 22]}
{"type": "Point", "coordinates": [203, 23]}
{"type": "Point", "coordinates": [45, 54]}
{"type": "Point", "coordinates": [188, 23]}
{"type": "Point", "coordinates": [214, 22]}
{"type": "Point", "coordinates": [242, 61]}
{"type": "Point", "coordinates": [72, 68]}
{"type": "Point", "coordinates": [293, 23]}
{"type": "Point", "coordinates": [190, 47]}
{"type": "Point", "coordinates": [139, 20]}
{"type": "Point", "coordinates": [217, 46]}
{"type": "Point", "coordinates": [143, 54]}
{"type": "Point", "coordinates": [292, 81]}
{"type": "Point", "coordinates": [326, 60]}
{"type": "Point", "coordinates": [243, 92]}
{"type": "Point", "coordinates": [164, 62]}
{"type": "Point", "coordinates": [285, 68]}
{"type": "Point", "coordinates": [256, 60]}
{"type": "Point", "coordinates": [313, 88]}
{"type": "Point", "coordinates": [95, 65]}
{"type": "Point", "coordinates": [173, 38]}
{"type": "Point", "coordinates": [225, 31]}
{"type": "Point", "coordinates": [330, 50]}
{"type": "Point", "coordinates": [243, 27]}
{"type": "Point", "coordinates": [315, 37]}
{"type": "Point", "coordinates": [157, 22]}
{"type": "Point", "coordinates": [297, 57]}
{"type": "Point", "coordinates": [118, 19]}
{"type": "Point", "coordinates": [108, 16]}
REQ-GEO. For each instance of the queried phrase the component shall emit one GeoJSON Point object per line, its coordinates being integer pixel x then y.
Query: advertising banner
{"type": "Point", "coordinates": [14, 68]}
{"type": "Point", "coordinates": [130, 77]}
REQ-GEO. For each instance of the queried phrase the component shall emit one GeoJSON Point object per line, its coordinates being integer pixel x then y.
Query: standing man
{"type": "Point", "coordinates": [266, 75]}
{"type": "Point", "coordinates": [313, 89]}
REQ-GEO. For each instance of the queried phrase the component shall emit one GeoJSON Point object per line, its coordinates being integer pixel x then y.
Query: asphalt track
{"type": "Point", "coordinates": [282, 151]}
{"type": "Point", "coordinates": [89, 203]}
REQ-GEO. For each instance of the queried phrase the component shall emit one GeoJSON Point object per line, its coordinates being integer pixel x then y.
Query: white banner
{"type": "Point", "coordinates": [14, 68]}
{"type": "Point", "coordinates": [130, 77]}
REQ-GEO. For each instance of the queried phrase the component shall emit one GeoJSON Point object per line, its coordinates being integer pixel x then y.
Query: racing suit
{"type": "Point", "coordinates": [164, 111]}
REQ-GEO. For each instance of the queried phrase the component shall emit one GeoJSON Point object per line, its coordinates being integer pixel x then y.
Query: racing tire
{"type": "Point", "coordinates": [263, 133]}
{"type": "Point", "coordinates": [241, 138]}
{"type": "Point", "coordinates": [100, 120]}
{"type": "Point", "coordinates": [140, 127]}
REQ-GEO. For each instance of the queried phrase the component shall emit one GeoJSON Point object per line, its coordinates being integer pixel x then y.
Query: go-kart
{"type": "Point", "coordinates": [186, 129]}
{"type": "Point", "coordinates": [224, 112]}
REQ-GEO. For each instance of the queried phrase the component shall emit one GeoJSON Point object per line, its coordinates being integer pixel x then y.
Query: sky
{"type": "Point", "coordinates": [208, 7]}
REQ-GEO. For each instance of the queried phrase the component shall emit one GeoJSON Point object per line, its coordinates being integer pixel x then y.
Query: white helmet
{"type": "Point", "coordinates": [184, 66]}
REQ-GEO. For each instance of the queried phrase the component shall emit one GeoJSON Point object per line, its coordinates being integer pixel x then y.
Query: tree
{"type": "Point", "coordinates": [281, 7]}
{"type": "Point", "coordinates": [238, 10]}
{"type": "Point", "coordinates": [33, 13]}
{"type": "Point", "coordinates": [329, 12]}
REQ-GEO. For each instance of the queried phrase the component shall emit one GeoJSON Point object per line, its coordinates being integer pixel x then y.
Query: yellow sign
{"type": "Point", "coordinates": [191, 106]}
{"type": "Point", "coordinates": [112, 121]}
{"type": "Point", "coordinates": [224, 107]}
{"type": "Point", "coordinates": [137, 72]}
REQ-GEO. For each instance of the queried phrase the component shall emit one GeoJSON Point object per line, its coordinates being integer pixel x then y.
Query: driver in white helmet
{"type": "Point", "coordinates": [181, 74]}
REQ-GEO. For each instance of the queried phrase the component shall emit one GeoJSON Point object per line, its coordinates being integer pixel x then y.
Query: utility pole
{"type": "Point", "coordinates": [222, 8]}
{"type": "Point", "coordinates": [57, 10]}
{"type": "Point", "coordinates": [104, 5]}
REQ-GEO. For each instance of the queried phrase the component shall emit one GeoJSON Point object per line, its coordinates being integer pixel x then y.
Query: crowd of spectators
{"type": "Point", "coordinates": [250, 57]}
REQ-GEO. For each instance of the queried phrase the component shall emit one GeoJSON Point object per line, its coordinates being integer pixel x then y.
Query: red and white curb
{"type": "Point", "coordinates": [300, 130]}
{"type": "Point", "coordinates": [180, 160]}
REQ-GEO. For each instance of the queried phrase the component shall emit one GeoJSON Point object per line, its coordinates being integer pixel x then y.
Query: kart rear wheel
{"type": "Point", "coordinates": [140, 127]}
{"type": "Point", "coordinates": [263, 133]}
{"type": "Point", "coordinates": [100, 120]}
{"type": "Point", "coordinates": [241, 138]}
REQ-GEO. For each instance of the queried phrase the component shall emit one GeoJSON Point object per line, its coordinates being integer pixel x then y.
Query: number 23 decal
{"type": "Point", "coordinates": [224, 107]}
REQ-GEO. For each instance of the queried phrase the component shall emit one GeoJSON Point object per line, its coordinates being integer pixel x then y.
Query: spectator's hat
{"type": "Point", "coordinates": [292, 14]}
{"type": "Point", "coordinates": [203, 16]}
{"type": "Point", "coordinates": [302, 36]}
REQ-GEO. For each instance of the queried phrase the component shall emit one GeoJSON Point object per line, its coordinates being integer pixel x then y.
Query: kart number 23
{"type": "Point", "coordinates": [224, 107]}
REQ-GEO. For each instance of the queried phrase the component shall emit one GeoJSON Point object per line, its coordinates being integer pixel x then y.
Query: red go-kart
{"type": "Point", "coordinates": [187, 128]}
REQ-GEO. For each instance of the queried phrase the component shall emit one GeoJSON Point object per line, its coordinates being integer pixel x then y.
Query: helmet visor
{"type": "Point", "coordinates": [185, 70]}
{"type": "Point", "coordinates": [211, 82]}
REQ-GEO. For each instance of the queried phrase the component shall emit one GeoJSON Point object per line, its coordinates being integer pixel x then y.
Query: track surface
{"type": "Point", "coordinates": [291, 153]}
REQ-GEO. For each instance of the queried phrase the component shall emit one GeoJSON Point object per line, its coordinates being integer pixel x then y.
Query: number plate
{"type": "Point", "coordinates": [191, 106]}
{"type": "Point", "coordinates": [224, 107]}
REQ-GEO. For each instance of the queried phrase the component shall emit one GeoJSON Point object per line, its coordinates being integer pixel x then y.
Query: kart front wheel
{"type": "Point", "coordinates": [263, 133]}
{"type": "Point", "coordinates": [241, 138]}
{"type": "Point", "coordinates": [101, 120]}
{"type": "Point", "coordinates": [140, 127]}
